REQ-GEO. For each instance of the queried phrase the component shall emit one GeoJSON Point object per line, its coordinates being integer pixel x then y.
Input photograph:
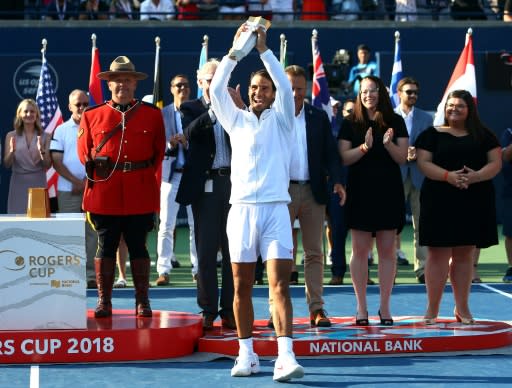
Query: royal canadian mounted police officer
{"type": "Point", "coordinates": [122, 144]}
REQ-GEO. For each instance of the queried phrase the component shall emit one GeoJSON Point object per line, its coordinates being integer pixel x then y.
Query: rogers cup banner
{"type": "Point", "coordinates": [42, 273]}
{"type": "Point", "coordinates": [463, 77]}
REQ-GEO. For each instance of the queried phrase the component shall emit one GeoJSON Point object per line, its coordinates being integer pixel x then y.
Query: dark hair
{"type": "Point", "coordinates": [473, 124]}
{"type": "Point", "coordinates": [295, 71]}
{"type": "Point", "coordinates": [262, 73]}
{"type": "Point", "coordinates": [405, 81]}
{"type": "Point", "coordinates": [347, 101]}
{"type": "Point", "coordinates": [364, 47]}
{"type": "Point", "coordinates": [384, 113]}
{"type": "Point", "coordinates": [178, 76]}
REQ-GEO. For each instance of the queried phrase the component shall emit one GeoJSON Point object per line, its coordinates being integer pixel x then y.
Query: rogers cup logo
{"type": "Point", "coordinates": [26, 78]}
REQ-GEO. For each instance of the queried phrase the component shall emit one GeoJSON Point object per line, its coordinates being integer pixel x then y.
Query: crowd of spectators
{"type": "Point", "coordinates": [278, 10]}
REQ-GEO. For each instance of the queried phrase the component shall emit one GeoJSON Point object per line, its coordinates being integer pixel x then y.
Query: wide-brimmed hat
{"type": "Point", "coordinates": [122, 65]}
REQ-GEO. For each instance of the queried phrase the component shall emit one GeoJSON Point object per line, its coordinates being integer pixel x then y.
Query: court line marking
{"type": "Point", "coordinates": [506, 294]}
{"type": "Point", "coordinates": [34, 376]}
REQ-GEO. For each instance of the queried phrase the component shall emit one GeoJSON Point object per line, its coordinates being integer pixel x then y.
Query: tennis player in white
{"type": "Point", "coordinates": [259, 222]}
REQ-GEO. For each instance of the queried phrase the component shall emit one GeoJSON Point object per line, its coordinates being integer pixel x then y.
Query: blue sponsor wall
{"type": "Point", "coordinates": [429, 53]}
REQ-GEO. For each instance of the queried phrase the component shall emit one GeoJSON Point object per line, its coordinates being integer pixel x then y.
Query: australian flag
{"type": "Point", "coordinates": [320, 93]}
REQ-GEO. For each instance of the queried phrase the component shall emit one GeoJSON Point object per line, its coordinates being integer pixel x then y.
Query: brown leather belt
{"type": "Point", "coordinates": [223, 171]}
{"type": "Point", "coordinates": [131, 166]}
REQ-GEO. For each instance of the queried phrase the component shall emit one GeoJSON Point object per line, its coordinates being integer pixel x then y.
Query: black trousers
{"type": "Point", "coordinates": [210, 218]}
{"type": "Point", "coordinates": [135, 229]}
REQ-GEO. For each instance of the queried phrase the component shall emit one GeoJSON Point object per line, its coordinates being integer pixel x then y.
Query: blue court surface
{"type": "Point", "coordinates": [484, 368]}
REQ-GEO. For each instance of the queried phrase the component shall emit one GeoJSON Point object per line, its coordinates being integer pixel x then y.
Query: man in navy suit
{"type": "Point", "coordinates": [206, 186]}
{"type": "Point", "coordinates": [314, 158]}
{"type": "Point", "coordinates": [416, 121]}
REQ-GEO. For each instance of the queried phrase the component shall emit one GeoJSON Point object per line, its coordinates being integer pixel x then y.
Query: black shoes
{"type": "Point", "coordinates": [362, 321]}
{"type": "Point", "coordinates": [385, 321]}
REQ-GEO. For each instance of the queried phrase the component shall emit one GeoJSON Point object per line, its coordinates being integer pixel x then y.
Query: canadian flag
{"type": "Point", "coordinates": [463, 77]}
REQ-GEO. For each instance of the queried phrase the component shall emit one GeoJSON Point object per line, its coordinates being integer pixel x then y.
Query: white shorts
{"type": "Point", "coordinates": [259, 229]}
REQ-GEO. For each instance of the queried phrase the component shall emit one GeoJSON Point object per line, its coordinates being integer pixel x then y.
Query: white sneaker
{"type": "Point", "coordinates": [287, 368]}
{"type": "Point", "coordinates": [245, 366]}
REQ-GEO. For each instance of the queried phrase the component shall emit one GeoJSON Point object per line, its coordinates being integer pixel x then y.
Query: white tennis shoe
{"type": "Point", "coordinates": [245, 366]}
{"type": "Point", "coordinates": [287, 368]}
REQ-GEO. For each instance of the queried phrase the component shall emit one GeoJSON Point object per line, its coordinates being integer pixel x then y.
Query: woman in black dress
{"type": "Point", "coordinates": [457, 202]}
{"type": "Point", "coordinates": [373, 145]}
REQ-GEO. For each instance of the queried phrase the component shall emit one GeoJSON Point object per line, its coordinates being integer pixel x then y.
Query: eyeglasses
{"type": "Point", "coordinates": [181, 85]}
{"type": "Point", "coordinates": [82, 104]}
{"type": "Point", "coordinates": [370, 91]}
{"type": "Point", "coordinates": [410, 92]}
{"type": "Point", "coordinates": [456, 106]}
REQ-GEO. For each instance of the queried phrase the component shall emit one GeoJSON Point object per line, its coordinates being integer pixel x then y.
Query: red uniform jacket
{"type": "Point", "coordinates": [143, 139]}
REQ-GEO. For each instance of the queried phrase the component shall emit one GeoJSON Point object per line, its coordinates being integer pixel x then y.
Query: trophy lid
{"type": "Point", "coordinates": [259, 20]}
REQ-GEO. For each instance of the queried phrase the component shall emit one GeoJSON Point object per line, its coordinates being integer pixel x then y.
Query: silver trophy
{"type": "Point", "coordinates": [247, 39]}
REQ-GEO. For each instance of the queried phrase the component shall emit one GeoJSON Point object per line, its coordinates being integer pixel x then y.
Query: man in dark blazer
{"type": "Point", "coordinates": [416, 121]}
{"type": "Point", "coordinates": [206, 186]}
{"type": "Point", "coordinates": [314, 158]}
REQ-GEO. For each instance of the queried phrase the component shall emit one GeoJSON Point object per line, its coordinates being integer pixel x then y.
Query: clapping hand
{"type": "Point", "coordinates": [40, 145]}
{"type": "Point", "coordinates": [368, 138]}
{"type": "Point", "coordinates": [388, 136]}
{"type": "Point", "coordinates": [12, 144]}
{"type": "Point", "coordinates": [179, 139]}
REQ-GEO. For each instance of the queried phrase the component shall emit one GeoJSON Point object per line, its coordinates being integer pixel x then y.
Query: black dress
{"type": "Point", "coordinates": [450, 216]}
{"type": "Point", "coordinates": [375, 193]}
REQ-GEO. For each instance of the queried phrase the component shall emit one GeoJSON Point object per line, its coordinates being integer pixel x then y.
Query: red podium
{"type": "Point", "coordinates": [122, 337]}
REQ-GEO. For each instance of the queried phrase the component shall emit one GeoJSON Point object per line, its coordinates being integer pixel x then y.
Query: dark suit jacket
{"type": "Point", "coordinates": [198, 128]}
{"type": "Point", "coordinates": [323, 156]}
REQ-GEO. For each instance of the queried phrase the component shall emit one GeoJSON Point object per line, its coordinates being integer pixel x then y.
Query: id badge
{"type": "Point", "coordinates": [208, 186]}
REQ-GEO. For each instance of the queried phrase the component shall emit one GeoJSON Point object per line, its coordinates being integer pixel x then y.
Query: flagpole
{"type": "Point", "coordinates": [314, 39]}
{"type": "Point", "coordinates": [205, 44]}
{"type": "Point", "coordinates": [93, 38]}
{"type": "Point", "coordinates": [468, 34]}
{"type": "Point", "coordinates": [157, 89]}
{"type": "Point", "coordinates": [396, 72]}
{"type": "Point", "coordinates": [44, 42]}
{"type": "Point", "coordinates": [157, 55]}
{"type": "Point", "coordinates": [282, 51]}
{"type": "Point", "coordinates": [203, 58]}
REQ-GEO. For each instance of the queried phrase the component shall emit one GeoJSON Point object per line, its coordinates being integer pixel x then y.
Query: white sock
{"type": "Point", "coordinates": [245, 345]}
{"type": "Point", "coordinates": [284, 345]}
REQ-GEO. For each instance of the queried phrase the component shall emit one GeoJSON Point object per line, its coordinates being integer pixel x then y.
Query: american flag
{"type": "Point", "coordinates": [320, 93]}
{"type": "Point", "coordinates": [51, 116]}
